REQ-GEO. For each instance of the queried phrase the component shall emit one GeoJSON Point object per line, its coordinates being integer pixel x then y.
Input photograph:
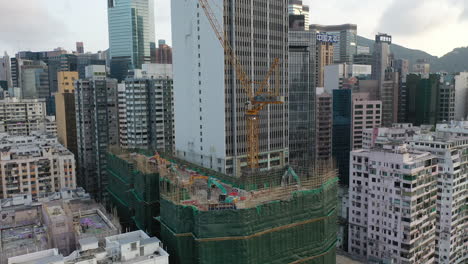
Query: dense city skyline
{"type": "Point", "coordinates": [423, 25]}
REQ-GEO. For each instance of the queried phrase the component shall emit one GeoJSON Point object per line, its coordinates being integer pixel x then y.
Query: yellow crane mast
{"type": "Point", "coordinates": [257, 98]}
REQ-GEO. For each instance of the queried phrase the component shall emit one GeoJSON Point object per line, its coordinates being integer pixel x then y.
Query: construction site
{"type": "Point", "coordinates": [203, 216]}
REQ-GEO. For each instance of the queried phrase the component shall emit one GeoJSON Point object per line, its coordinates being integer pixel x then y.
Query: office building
{"type": "Point", "coordinates": [79, 47]}
{"type": "Point", "coordinates": [163, 53]}
{"type": "Point", "coordinates": [96, 127]}
{"type": "Point", "coordinates": [66, 113]}
{"type": "Point", "coordinates": [446, 99]}
{"type": "Point", "coordinates": [401, 66]}
{"type": "Point", "coordinates": [302, 58]}
{"type": "Point", "coordinates": [392, 209]}
{"type": "Point", "coordinates": [390, 95]}
{"type": "Point", "coordinates": [22, 117]}
{"type": "Point", "coordinates": [35, 81]}
{"type": "Point", "coordinates": [131, 35]}
{"type": "Point", "coordinates": [5, 71]}
{"type": "Point", "coordinates": [34, 165]}
{"type": "Point", "coordinates": [421, 66]}
{"type": "Point", "coordinates": [340, 76]}
{"type": "Point", "coordinates": [363, 59]}
{"type": "Point", "coordinates": [346, 46]}
{"type": "Point", "coordinates": [422, 100]}
{"type": "Point", "coordinates": [382, 58]}
{"type": "Point", "coordinates": [59, 220]}
{"type": "Point", "coordinates": [148, 104]}
{"type": "Point", "coordinates": [461, 96]}
{"type": "Point", "coordinates": [367, 114]}
{"type": "Point", "coordinates": [450, 146]}
{"type": "Point", "coordinates": [208, 93]}
{"type": "Point", "coordinates": [342, 124]}
{"type": "Point", "coordinates": [296, 7]}
{"type": "Point", "coordinates": [323, 125]}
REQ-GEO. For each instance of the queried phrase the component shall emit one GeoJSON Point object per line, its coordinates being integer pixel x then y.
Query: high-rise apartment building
{"type": "Point", "coordinates": [210, 120]}
{"type": "Point", "coordinates": [366, 114]}
{"type": "Point", "coordinates": [392, 209]}
{"type": "Point", "coordinates": [296, 7]}
{"type": "Point", "coordinates": [461, 96]}
{"type": "Point", "coordinates": [148, 110]}
{"type": "Point", "coordinates": [346, 46]}
{"type": "Point", "coordinates": [451, 149]}
{"type": "Point", "coordinates": [302, 57]}
{"type": "Point", "coordinates": [96, 126]}
{"type": "Point", "coordinates": [65, 110]}
{"type": "Point", "coordinates": [34, 165]}
{"type": "Point", "coordinates": [163, 54]}
{"type": "Point", "coordinates": [22, 117]}
{"type": "Point", "coordinates": [131, 35]}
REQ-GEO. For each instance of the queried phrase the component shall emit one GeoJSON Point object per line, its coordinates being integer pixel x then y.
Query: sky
{"type": "Point", "coordinates": [435, 26]}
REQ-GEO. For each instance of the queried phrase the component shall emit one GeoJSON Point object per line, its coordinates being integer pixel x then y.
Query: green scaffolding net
{"type": "Point", "coordinates": [302, 230]}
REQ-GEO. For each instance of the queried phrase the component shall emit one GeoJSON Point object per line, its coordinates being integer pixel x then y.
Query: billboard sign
{"type": "Point", "coordinates": [325, 37]}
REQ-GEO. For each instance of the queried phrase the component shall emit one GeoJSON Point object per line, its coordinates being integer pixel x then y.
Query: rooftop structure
{"type": "Point", "coordinates": [51, 220]}
{"type": "Point", "coordinates": [135, 247]}
{"type": "Point", "coordinates": [207, 216]}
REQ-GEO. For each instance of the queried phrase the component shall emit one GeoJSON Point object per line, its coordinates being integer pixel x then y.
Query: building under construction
{"type": "Point", "coordinates": [209, 217]}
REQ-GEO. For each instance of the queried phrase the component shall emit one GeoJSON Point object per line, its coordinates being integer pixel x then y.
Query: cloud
{"type": "Point", "coordinates": [26, 24]}
{"type": "Point", "coordinates": [415, 17]}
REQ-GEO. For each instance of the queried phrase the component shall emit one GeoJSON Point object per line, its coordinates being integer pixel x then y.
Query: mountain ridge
{"type": "Point", "coordinates": [452, 62]}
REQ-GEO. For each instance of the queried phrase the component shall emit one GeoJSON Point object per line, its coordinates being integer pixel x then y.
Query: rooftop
{"type": "Point", "coordinates": [210, 190]}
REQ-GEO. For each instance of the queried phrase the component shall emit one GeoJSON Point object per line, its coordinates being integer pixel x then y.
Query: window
{"type": "Point", "coordinates": [133, 246]}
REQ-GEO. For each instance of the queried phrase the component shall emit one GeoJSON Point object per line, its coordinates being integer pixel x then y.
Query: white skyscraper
{"type": "Point", "coordinates": [210, 104]}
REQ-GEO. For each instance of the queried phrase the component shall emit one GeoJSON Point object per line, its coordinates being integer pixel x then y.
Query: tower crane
{"type": "Point", "coordinates": [257, 98]}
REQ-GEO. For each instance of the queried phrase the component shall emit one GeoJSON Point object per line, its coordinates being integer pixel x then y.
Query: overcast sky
{"type": "Point", "coordinates": [435, 26]}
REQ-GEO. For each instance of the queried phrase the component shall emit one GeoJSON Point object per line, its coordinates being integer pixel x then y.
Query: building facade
{"type": "Point", "coordinates": [392, 209]}
{"type": "Point", "coordinates": [422, 99]}
{"type": "Point", "coordinates": [131, 35]}
{"type": "Point", "coordinates": [367, 114]}
{"type": "Point", "coordinates": [163, 53]}
{"type": "Point", "coordinates": [342, 124]}
{"type": "Point", "coordinates": [296, 7]}
{"type": "Point", "coordinates": [66, 113]}
{"type": "Point", "coordinates": [96, 126]}
{"type": "Point", "coordinates": [389, 95]}
{"type": "Point", "coordinates": [149, 113]}
{"type": "Point", "coordinates": [22, 117]}
{"type": "Point", "coordinates": [5, 71]}
{"type": "Point", "coordinates": [301, 97]}
{"type": "Point", "coordinates": [34, 165]}
{"type": "Point", "coordinates": [323, 125]}
{"type": "Point", "coordinates": [461, 96]}
{"type": "Point", "coordinates": [346, 46]}
{"type": "Point", "coordinates": [211, 128]}
{"type": "Point", "coordinates": [451, 150]}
